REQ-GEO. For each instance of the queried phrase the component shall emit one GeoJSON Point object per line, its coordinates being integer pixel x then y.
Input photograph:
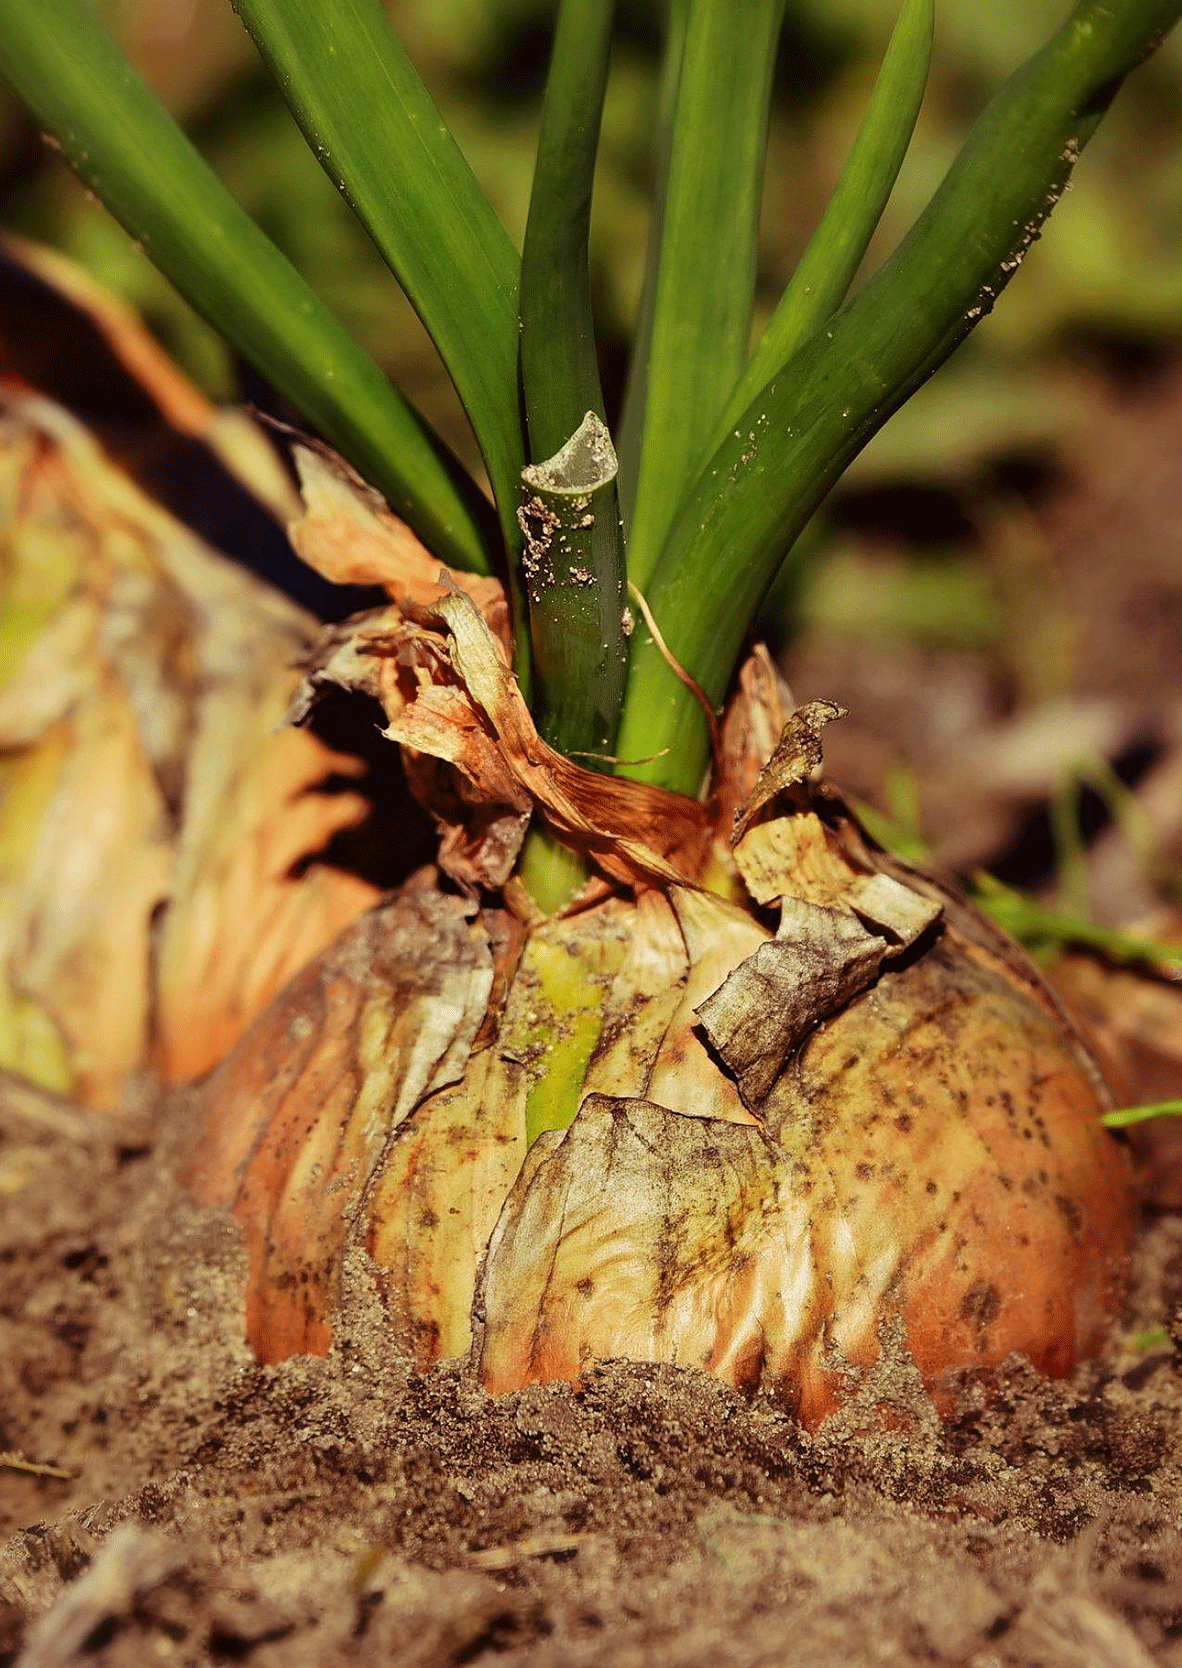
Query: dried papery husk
{"type": "Point", "coordinates": [736, 1135]}
{"type": "Point", "coordinates": [346, 532]}
{"type": "Point", "coordinates": [160, 826]}
{"type": "Point", "coordinates": [438, 663]}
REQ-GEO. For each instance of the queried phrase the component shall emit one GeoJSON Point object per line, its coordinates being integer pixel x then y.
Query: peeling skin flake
{"type": "Point", "coordinates": [628, 1184]}
{"type": "Point", "coordinates": [447, 691]}
{"type": "Point", "coordinates": [771, 1001]}
{"type": "Point", "coordinates": [819, 960]}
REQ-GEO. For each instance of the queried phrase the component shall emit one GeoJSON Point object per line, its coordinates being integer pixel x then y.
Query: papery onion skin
{"type": "Point", "coordinates": [296, 1119]}
{"type": "Point", "coordinates": [160, 831]}
{"type": "Point", "coordinates": [933, 1151]}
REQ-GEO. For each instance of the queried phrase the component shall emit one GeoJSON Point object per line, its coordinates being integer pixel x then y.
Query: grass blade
{"type": "Point", "coordinates": [61, 62]}
{"type": "Point", "coordinates": [374, 129]}
{"type": "Point", "coordinates": [576, 590]}
{"type": "Point", "coordinates": [834, 252]}
{"type": "Point", "coordinates": [761, 485]}
{"type": "Point", "coordinates": [1039, 927]}
{"type": "Point", "coordinates": [704, 279]}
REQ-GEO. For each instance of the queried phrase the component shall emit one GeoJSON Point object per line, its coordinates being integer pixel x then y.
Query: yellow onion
{"type": "Point", "coordinates": [756, 1092]}
{"type": "Point", "coordinates": [158, 824]}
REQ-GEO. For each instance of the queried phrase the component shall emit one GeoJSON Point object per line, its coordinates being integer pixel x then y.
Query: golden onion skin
{"type": "Point", "coordinates": [933, 1151]}
{"type": "Point", "coordinates": [952, 1129]}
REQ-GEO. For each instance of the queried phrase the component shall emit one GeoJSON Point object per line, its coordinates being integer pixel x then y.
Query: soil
{"type": "Point", "coordinates": [164, 1498]}
{"type": "Point", "coordinates": [197, 1508]}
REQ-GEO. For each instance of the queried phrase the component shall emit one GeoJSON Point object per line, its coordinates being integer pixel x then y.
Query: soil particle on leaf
{"type": "Point", "coordinates": [355, 1510]}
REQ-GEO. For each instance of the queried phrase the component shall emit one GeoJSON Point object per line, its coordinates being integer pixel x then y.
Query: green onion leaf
{"type": "Point", "coordinates": [572, 577]}
{"type": "Point", "coordinates": [1035, 925]}
{"type": "Point", "coordinates": [704, 258]}
{"type": "Point", "coordinates": [574, 559]}
{"type": "Point", "coordinates": [375, 130]}
{"type": "Point", "coordinates": [761, 485]}
{"type": "Point", "coordinates": [631, 424]}
{"type": "Point", "coordinates": [1130, 1115]}
{"type": "Point", "coordinates": [61, 62]}
{"type": "Point", "coordinates": [826, 269]}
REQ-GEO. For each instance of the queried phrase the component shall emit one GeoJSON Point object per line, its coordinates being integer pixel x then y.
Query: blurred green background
{"type": "Point", "coordinates": [1100, 297]}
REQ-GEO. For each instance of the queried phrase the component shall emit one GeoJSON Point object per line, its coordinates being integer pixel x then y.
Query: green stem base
{"type": "Point", "coordinates": [550, 872]}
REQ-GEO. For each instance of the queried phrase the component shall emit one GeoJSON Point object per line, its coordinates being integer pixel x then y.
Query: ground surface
{"type": "Point", "coordinates": [352, 1510]}
{"type": "Point", "coordinates": [164, 1499]}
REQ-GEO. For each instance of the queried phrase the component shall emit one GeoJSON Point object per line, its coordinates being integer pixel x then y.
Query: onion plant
{"type": "Point", "coordinates": [736, 1096]}
{"type": "Point", "coordinates": [725, 447]}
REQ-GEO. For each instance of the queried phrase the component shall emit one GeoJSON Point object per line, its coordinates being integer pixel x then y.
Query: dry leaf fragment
{"type": "Point", "coordinates": [448, 693]}
{"type": "Point", "coordinates": [453, 764]}
{"type": "Point", "coordinates": [751, 727]}
{"type": "Point", "coordinates": [349, 535]}
{"type": "Point", "coordinates": [798, 754]}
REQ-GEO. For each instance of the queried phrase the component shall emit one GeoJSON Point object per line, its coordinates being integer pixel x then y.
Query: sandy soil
{"type": "Point", "coordinates": [197, 1508]}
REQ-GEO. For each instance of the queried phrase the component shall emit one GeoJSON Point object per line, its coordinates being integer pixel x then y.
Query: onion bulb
{"type": "Point", "coordinates": [758, 1091]}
